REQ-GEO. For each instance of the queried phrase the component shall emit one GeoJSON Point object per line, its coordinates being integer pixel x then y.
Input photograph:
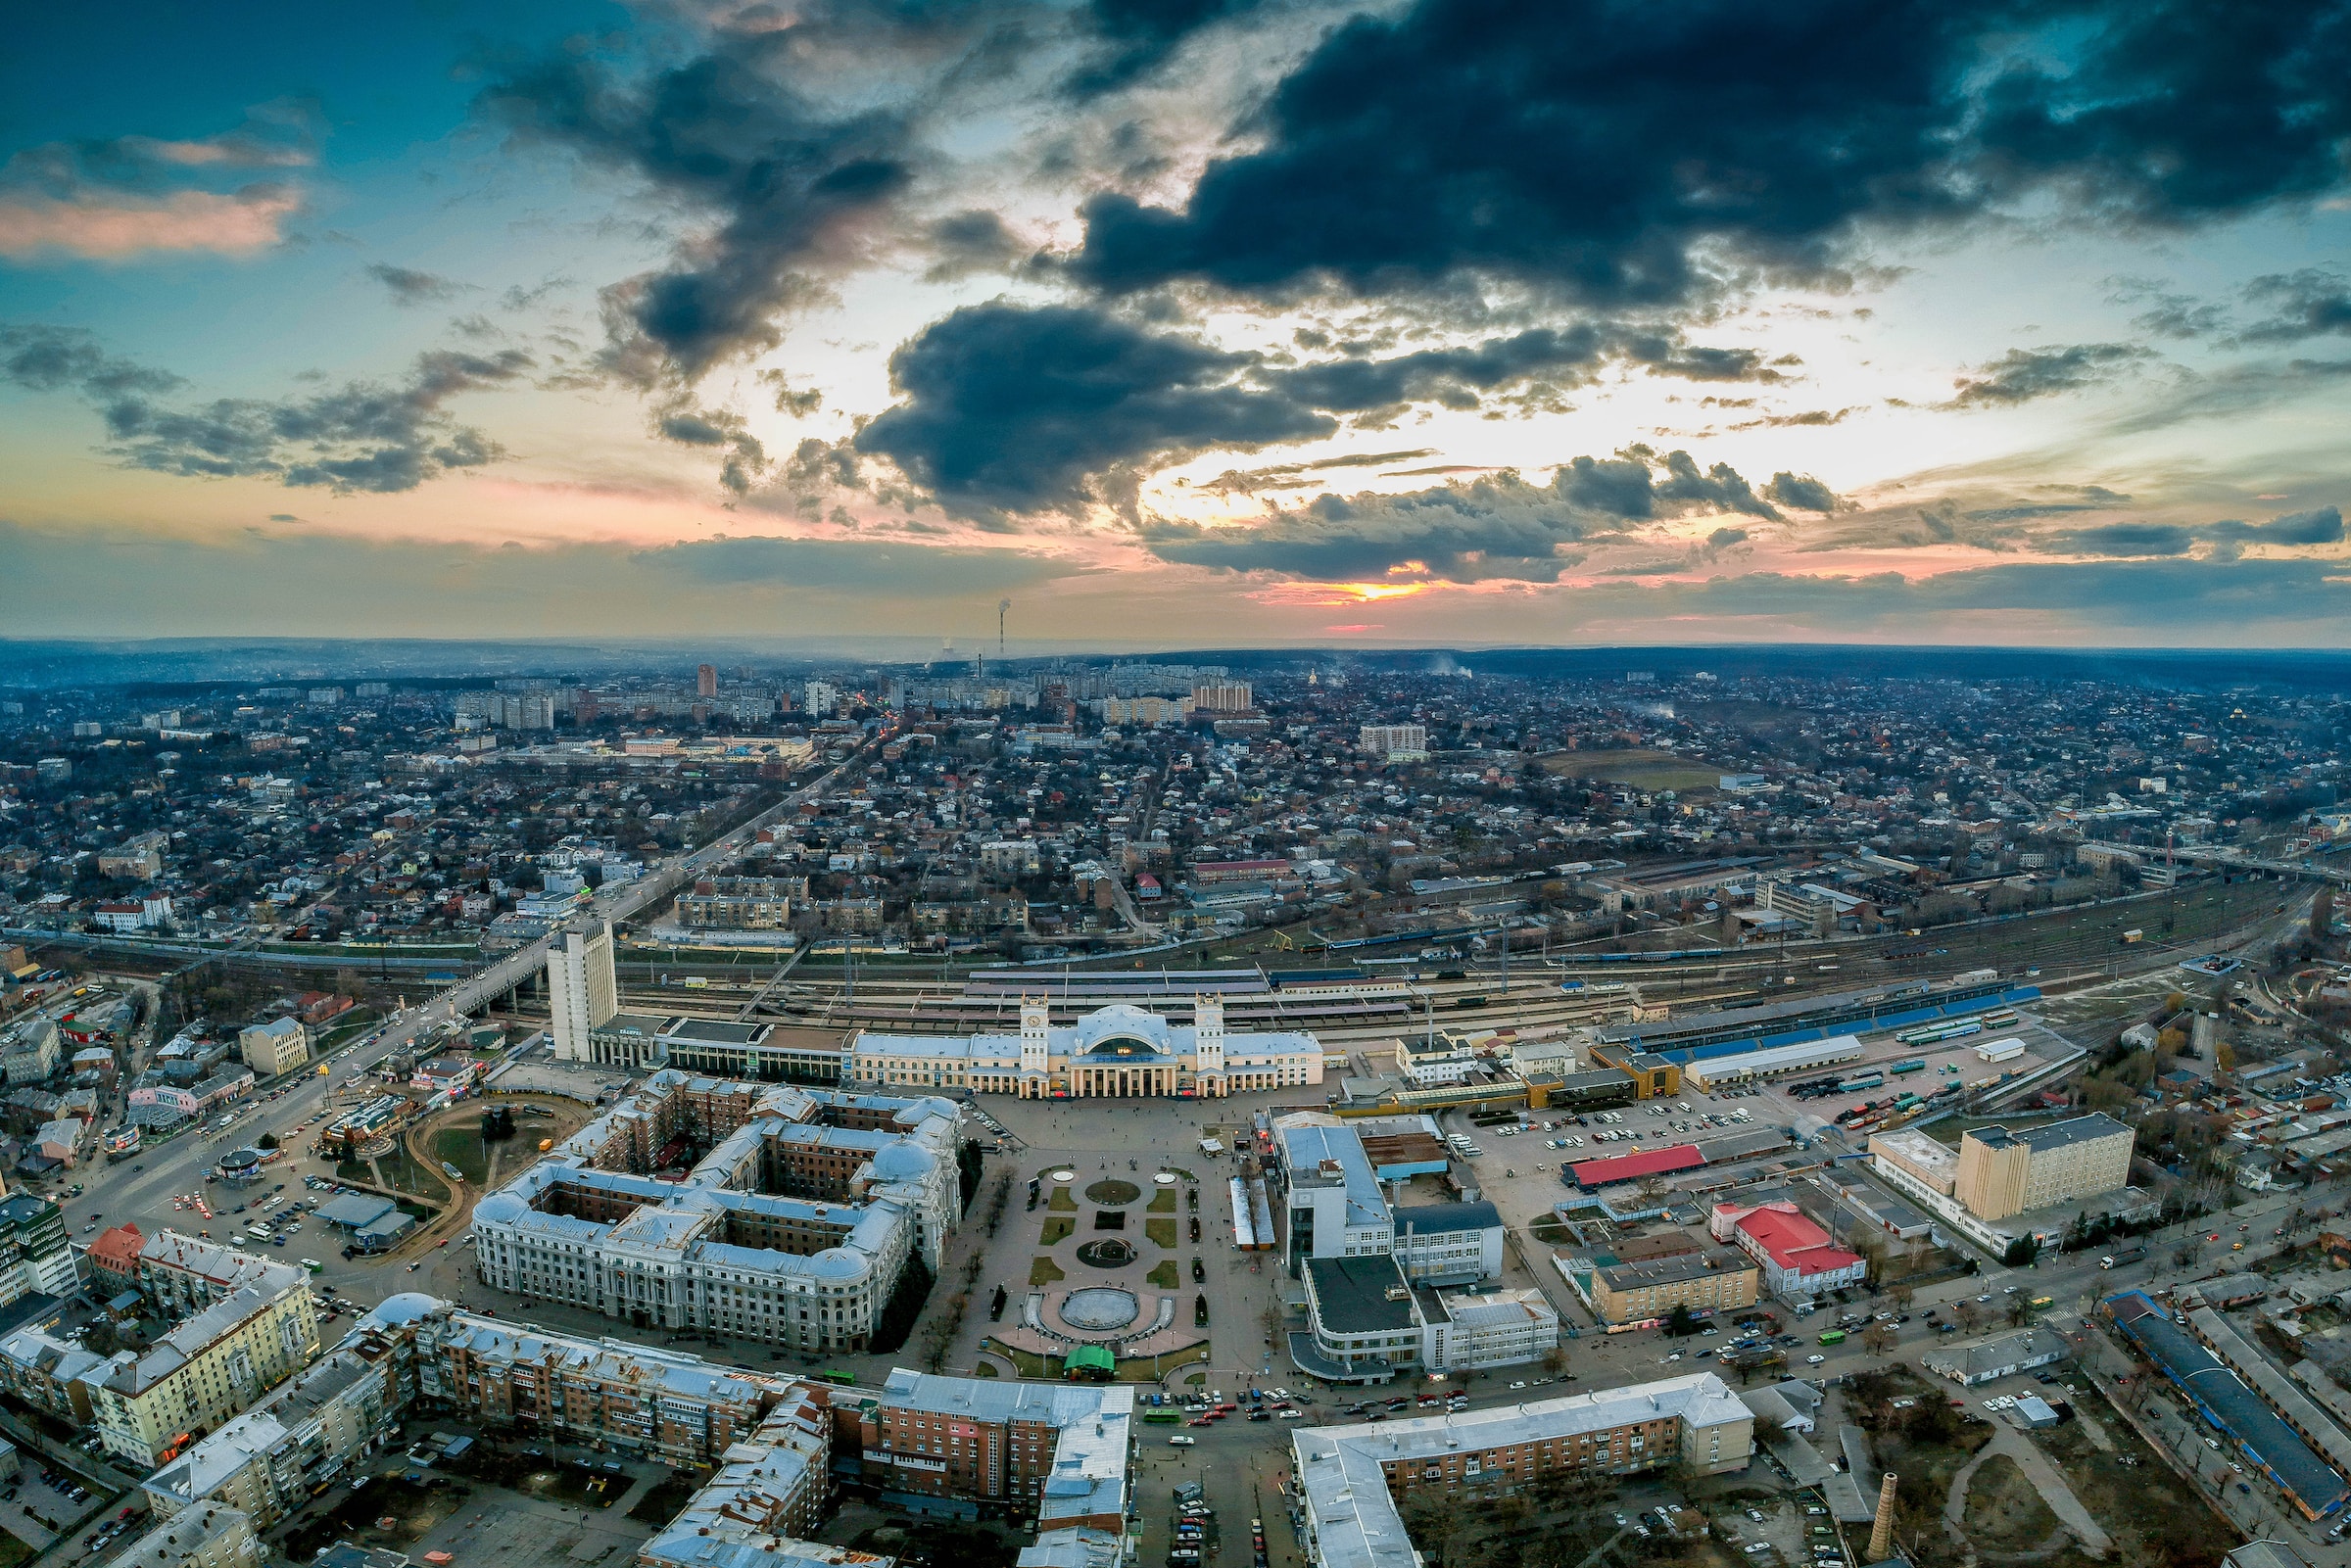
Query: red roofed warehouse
{"type": "Point", "coordinates": [1799, 1261]}
{"type": "Point", "coordinates": [1591, 1174]}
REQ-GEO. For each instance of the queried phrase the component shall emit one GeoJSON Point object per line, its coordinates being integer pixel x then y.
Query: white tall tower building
{"type": "Point", "coordinates": [822, 699]}
{"type": "Point", "coordinates": [582, 989]}
{"type": "Point", "coordinates": [1208, 1048]}
{"type": "Point", "coordinates": [1036, 1053]}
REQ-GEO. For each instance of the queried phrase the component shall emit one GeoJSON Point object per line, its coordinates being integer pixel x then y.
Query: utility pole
{"type": "Point", "coordinates": [1002, 605]}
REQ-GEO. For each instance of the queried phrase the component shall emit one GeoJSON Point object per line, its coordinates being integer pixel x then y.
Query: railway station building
{"type": "Point", "coordinates": [1119, 1051]}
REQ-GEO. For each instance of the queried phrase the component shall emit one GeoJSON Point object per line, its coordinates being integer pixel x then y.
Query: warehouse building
{"type": "Point", "coordinates": [2230, 1406]}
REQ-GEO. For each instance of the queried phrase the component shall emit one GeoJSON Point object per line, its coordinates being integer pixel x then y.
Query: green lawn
{"type": "Point", "coordinates": [1162, 1231]}
{"type": "Point", "coordinates": [1060, 1198]}
{"type": "Point", "coordinates": [1163, 1202]}
{"type": "Point", "coordinates": [461, 1147]}
{"type": "Point", "coordinates": [1044, 1271]}
{"type": "Point", "coordinates": [1058, 1227]}
{"type": "Point", "coordinates": [1166, 1276]}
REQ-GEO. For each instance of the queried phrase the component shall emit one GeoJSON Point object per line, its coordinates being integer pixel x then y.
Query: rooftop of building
{"type": "Point", "coordinates": [2054, 1135]}
{"type": "Point", "coordinates": [176, 1540]}
{"type": "Point", "coordinates": [211, 1460]}
{"type": "Point", "coordinates": [1316, 1154]}
{"type": "Point", "coordinates": [1794, 1241]}
{"type": "Point", "coordinates": [1345, 1490]}
{"type": "Point", "coordinates": [1440, 1220]}
{"type": "Point", "coordinates": [689, 1030]}
{"type": "Point", "coordinates": [1975, 1357]}
{"type": "Point", "coordinates": [1361, 1295]}
{"type": "Point", "coordinates": [1649, 1273]}
{"type": "Point", "coordinates": [134, 1376]}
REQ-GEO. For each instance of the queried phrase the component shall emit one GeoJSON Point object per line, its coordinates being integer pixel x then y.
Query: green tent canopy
{"type": "Point", "coordinates": [1089, 1360]}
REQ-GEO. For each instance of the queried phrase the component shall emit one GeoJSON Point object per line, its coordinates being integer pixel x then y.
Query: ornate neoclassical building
{"type": "Point", "coordinates": [758, 1209]}
{"type": "Point", "coordinates": [1116, 1051]}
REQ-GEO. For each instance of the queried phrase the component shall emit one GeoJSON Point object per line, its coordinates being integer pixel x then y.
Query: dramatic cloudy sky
{"type": "Point", "coordinates": [1181, 321]}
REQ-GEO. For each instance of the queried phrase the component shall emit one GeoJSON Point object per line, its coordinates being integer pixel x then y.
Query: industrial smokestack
{"type": "Point", "coordinates": [1880, 1534]}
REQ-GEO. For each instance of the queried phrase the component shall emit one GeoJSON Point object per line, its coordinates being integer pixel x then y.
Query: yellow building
{"type": "Point", "coordinates": [2004, 1173]}
{"type": "Point", "coordinates": [215, 1365]}
{"type": "Point", "coordinates": [1714, 1279]}
{"type": "Point", "coordinates": [279, 1046]}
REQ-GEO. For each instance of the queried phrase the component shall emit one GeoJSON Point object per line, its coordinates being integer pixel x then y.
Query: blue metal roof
{"type": "Point", "coordinates": [2223, 1400]}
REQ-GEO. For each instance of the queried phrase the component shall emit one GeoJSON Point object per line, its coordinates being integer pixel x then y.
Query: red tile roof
{"type": "Point", "coordinates": [1795, 1242]}
{"type": "Point", "coordinates": [1591, 1174]}
{"type": "Point", "coordinates": [117, 1249]}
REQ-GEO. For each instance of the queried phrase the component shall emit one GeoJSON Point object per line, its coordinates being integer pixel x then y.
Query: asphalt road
{"type": "Point", "coordinates": [140, 1190]}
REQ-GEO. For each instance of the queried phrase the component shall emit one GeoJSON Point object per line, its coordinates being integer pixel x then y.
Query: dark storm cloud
{"type": "Point", "coordinates": [1452, 377]}
{"type": "Point", "coordinates": [276, 136]}
{"type": "Point", "coordinates": [2023, 374]}
{"type": "Point", "coordinates": [1684, 489]}
{"type": "Point", "coordinates": [747, 457]}
{"type": "Point", "coordinates": [2025, 513]}
{"type": "Point", "coordinates": [364, 436]}
{"type": "Point", "coordinates": [1608, 151]}
{"type": "Point", "coordinates": [2232, 389]}
{"type": "Point", "coordinates": [1009, 409]}
{"type": "Point", "coordinates": [2169, 313]}
{"type": "Point", "coordinates": [48, 358]}
{"type": "Point", "coordinates": [1285, 476]}
{"type": "Point", "coordinates": [409, 286]}
{"type": "Point", "coordinates": [728, 137]}
{"type": "Point", "coordinates": [2123, 539]}
{"type": "Point", "coordinates": [1138, 37]}
{"type": "Point", "coordinates": [1016, 409]}
{"type": "Point", "coordinates": [973, 240]}
{"type": "Point", "coordinates": [853, 567]}
{"type": "Point", "coordinates": [1501, 525]}
{"type": "Point", "coordinates": [1802, 491]}
{"type": "Point", "coordinates": [2181, 601]}
{"type": "Point", "coordinates": [2323, 525]}
{"type": "Point", "coordinates": [2309, 304]}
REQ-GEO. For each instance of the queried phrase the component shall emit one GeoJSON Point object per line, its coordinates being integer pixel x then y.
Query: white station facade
{"type": "Point", "coordinates": [1111, 1053]}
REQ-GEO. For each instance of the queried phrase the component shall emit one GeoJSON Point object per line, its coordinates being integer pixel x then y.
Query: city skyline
{"type": "Point", "coordinates": [1442, 322]}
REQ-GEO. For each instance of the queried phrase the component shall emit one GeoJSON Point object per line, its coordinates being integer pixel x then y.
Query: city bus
{"type": "Point", "coordinates": [1831, 1336]}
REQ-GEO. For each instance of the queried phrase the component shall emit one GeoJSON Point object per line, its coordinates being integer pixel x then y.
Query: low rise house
{"type": "Point", "coordinates": [1984, 1360]}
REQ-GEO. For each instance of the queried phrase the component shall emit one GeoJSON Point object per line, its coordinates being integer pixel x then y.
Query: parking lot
{"type": "Point", "coordinates": [40, 1512]}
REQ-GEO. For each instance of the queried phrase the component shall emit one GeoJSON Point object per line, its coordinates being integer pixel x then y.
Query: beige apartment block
{"type": "Point", "coordinates": [209, 1368]}
{"type": "Point", "coordinates": [279, 1046]}
{"type": "Point", "coordinates": [2004, 1173]}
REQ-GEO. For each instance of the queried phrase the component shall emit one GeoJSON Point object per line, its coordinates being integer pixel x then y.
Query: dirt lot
{"type": "Point", "coordinates": [2151, 1513]}
{"type": "Point", "coordinates": [2004, 1514]}
{"type": "Point", "coordinates": [392, 1513]}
